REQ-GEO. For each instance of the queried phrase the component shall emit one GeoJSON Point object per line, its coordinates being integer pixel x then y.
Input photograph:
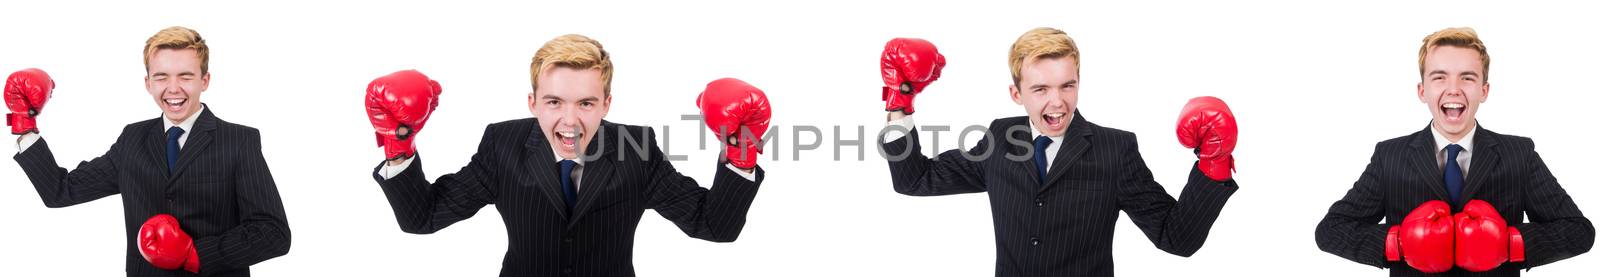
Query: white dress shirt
{"type": "Point", "coordinates": [187, 125]}
{"type": "Point", "coordinates": [1464, 158]}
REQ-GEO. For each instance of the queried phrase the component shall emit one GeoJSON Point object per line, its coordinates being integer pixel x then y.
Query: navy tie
{"type": "Point", "coordinates": [172, 147]}
{"type": "Point", "coordinates": [1039, 162]}
{"type": "Point", "coordinates": [1452, 172]}
{"type": "Point", "coordinates": [567, 187]}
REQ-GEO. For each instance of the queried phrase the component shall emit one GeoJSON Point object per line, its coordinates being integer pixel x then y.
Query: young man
{"type": "Point", "coordinates": [197, 197]}
{"type": "Point", "coordinates": [1452, 196]}
{"type": "Point", "coordinates": [1055, 180]}
{"type": "Point", "coordinates": [570, 186]}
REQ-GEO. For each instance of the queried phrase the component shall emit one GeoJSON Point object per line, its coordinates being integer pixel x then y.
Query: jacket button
{"type": "Point", "coordinates": [1038, 203]}
{"type": "Point", "coordinates": [566, 270]}
{"type": "Point", "coordinates": [1033, 240]}
{"type": "Point", "coordinates": [566, 240]}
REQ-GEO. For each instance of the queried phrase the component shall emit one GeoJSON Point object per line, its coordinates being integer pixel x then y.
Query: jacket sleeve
{"type": "Point", "coordinates": [421, 207]}
{"type": "Point", "coordinates": [58, 187]}
{"type": "Point", "coordinates": [715, 214]}
{"type": "Point", "coordinates": [263, 231]}
{"type": "Point", "coordinates": [1350, 229]}
{"type": "Point", "coordinates": [952, 173]}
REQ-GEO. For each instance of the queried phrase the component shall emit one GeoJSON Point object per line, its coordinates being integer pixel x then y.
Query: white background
{"type": "Point", "coordinates": [1314, 86]}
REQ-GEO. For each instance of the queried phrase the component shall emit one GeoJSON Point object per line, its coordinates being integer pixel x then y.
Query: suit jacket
{"type": "Point", "coordinates": [1505, 171]}
{"type": "Point", "coordinates": [624, 173]}
{"type": "Point", "coordinates": [220, 191]}
{"type": "Point", "coordinates": [1063, 226]}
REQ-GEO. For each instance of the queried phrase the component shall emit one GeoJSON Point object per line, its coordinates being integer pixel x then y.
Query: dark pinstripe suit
{"type": "Point", "coordinates": [1505, 171]}
{"type": "Point", "coordinates": [221, 191]}
{"type": "Point", "coordinates": [1064, 226]}
{"type": "Point", "coordinates": [516, 170]}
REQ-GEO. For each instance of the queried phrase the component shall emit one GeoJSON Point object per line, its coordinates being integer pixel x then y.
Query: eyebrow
{"type": "Point", "coordinates": [1068, 83]}
{"type": "Point", "coordinates": [185, 73]}
{"type": "Point", "coordinates": [1469, 73]}
{"type": "Point", "coordinates": [553, 97]}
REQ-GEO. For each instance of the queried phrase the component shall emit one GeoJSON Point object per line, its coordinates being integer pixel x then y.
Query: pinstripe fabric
{"type": "Point", "coordinates": [221, 191]}
{"type": "Point", "coordinates": [1064, 227]}
{"type": "Point", "coordinates": [1506, 172]}
{"type": "Point", "coordinates": [515, 170]}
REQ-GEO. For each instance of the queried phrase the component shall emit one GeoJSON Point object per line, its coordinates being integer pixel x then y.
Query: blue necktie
{"type": "Point", "coordinates": [1452, 173]}
{"type": "Point", "coordinates": [172, 147]}
{"type": "Point", "coordinates": [1039, 162]}
{"type": "Point", "coordinates": [567, 186]}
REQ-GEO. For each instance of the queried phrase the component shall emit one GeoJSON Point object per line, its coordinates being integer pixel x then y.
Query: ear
{"type": "Point", "coordinates": [605, 106]}
{"type": "Point", "coordinates": [1016, 95]}
{"type": "Point", "coordinates": [1485, 93]}
{"type": "Point", "coordinates": [1419, 93]}
{"type": "Point", "coordinates": [205, 81]}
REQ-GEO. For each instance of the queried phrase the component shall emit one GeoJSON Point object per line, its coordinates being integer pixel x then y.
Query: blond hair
{"type": "Point", "coordinates": [1463, 37]}
{"type": "Point", "coordinates": [572, 51]}
{"type": "Point", "coordinates": [178, 38]}
{"type": "Point", "coordinates": [1040, 43]}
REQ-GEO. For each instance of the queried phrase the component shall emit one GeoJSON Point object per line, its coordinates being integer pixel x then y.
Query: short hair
{"type": "Point", "coordinates": [178, 38]}
{"type": "Point", "coordinates": [572, 51]}
{"type": "Point", "coordinates": [1041, 43]}
{"type": "Point", "coordinates": [1463, 37]}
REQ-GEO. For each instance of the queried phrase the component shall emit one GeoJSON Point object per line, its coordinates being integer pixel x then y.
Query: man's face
{"type": "Point", "coordinates": [1049, 91]}
{"type": "Point", "coordinates": [1453, 86]}
{"type": "Point", "coordinates": [174, 80]}
{"type": "Point", "coordinates": [569, 104]}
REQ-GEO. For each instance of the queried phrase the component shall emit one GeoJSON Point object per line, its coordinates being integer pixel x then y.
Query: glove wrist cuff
{"type": "Point", "coordinates": [192, 264]}
{"type": "Point", "coordinates": [894, 100]}
{"type": "Point", "coordinates": [394, 148]}
{"type": "Point", "coordinates": [21, 123]}
{"type": "Point", "coordinates": [1391, 244]}
{"type": "Point", "coordinates": [1517, 255]}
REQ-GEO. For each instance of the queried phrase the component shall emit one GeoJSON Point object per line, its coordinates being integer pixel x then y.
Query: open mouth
{"type": "Point", "coordinates": [175, 104]}
{"type": "Point", "coordinates": [568, 139]}
{"type": "Point", "coordinates": [1054, 120]}
{"type": "Point", "coordinates": [1453, 110]}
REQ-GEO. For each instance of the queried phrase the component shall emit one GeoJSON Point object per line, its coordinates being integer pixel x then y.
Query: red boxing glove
{"type": "Point", "coordinates": [26, 92]}
{"type": "Point", "coordinates": [166, 246]}
{"type": "Point", "coordinates": [1425, 238]}
{"type": "Point", "coordinates": [1206, 125]}
{"type": "Point", "coordinates": [1483, 241]}
{"type": "Point", "coordinates": [403, 99]}
{"type": "Point", "coordinates": [731, 106]}
{"type": "Point", "coordinates": [909, 64]}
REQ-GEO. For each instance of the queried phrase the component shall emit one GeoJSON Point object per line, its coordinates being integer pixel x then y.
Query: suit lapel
{"type": "Point", "coordinates": [597, 170]}
{"type": "Point", "coordinates": [1484, 157]}
{"type": "Point", "coordinates": [199, 139]}
{"type": "Point", "coordinates": [155, 144]}
{"type": "Point", "coordinates": [1424, 162]}
{"type": "Point", "coordinates": [540, 161]}
{"type": "Point", "coordinates": [1076, 143]}
{"type": "Point", "coordinates": [1017, 145]}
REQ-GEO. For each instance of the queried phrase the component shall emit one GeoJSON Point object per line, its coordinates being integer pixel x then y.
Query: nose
{"type": "Point", "coordinates": [1455, 88]}
{"type": "Point", "coordinates": [170, 86]}
{"type": "Point", "coordinates": [569, 115]}
{"type": "Point", "coordinates": [1053, 98]}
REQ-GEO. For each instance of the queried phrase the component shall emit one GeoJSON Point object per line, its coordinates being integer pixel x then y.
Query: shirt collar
{"type": "Point", "coordinates": [187, 124]}
{"type": "Point", "coordinates": [1440, 142]}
